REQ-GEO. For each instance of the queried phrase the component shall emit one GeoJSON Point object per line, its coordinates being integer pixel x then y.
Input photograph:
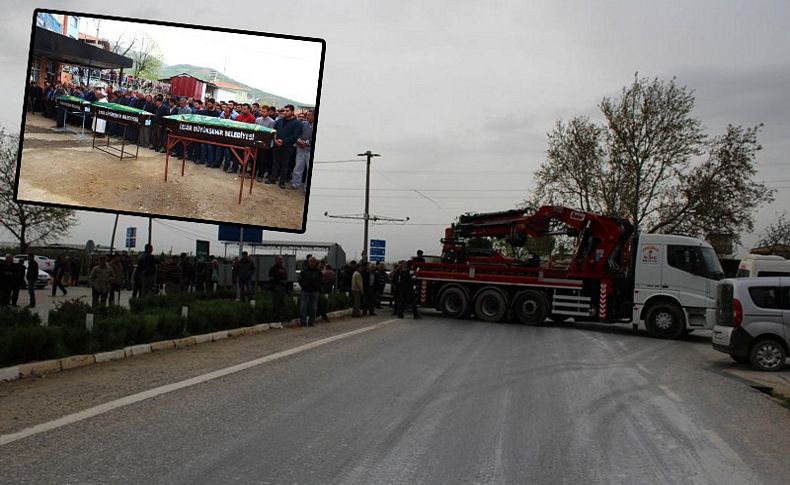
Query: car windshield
{"type": "Point", "coordinates": [712, 263]}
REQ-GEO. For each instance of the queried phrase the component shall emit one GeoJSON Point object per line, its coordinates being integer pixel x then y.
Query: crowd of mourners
{"type": "Point", "coordinates": [284, 163]}
{"type": "Point", "coordinates": [109, 275]}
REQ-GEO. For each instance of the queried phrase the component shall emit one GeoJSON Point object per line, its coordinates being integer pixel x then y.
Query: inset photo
{"type": "Point", "coordinates": [164, 120]}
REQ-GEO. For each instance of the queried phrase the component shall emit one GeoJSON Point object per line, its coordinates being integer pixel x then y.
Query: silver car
{"type": "Point", "coordinates": [753, 321]}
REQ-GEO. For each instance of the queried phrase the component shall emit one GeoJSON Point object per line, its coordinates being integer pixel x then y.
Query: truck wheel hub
{"type": "Point", "coordinates": [664, 320]}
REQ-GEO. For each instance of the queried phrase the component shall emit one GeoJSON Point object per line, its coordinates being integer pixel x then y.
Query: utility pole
{"type": "Point", "coordinates": [114, 227]}
{"type": "Point", "coordinates": [149, 230]}
{"type": "Point", "coordinates": [369, 155]}
{"type": "Point", "coordinates": [366, 216]}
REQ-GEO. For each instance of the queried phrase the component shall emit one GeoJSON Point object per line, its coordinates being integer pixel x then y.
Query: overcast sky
{"type": "Point", "coordinates": [284, 67]}
{"type": "Point", "coordinates": [457, 96]}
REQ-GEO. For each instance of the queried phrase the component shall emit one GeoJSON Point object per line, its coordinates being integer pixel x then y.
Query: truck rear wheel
{"type": "Point", "coordinates": [530, 307]}
{"type": "Point", "coordinates": [665, 320]}
{"type": "Point", "coordinates": [490, 305]}
{"type": "Point", "coordinates": [453, 303]}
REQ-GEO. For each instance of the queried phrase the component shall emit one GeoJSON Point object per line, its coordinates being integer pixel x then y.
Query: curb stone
{"type": "Point", "coordinates": [162, 345]}
{"type": "Point", "coordinates": [111, 355]}
{"type": "Point", "coordinates": [9, 373]}
{"type": "Point", "coordinates": [76, 361]}
{"type": "Point", "coordinates": [57, 365]}
{"type": "Point", "coordinates": [137, 350]}
{"type": "Point", "coordinates": [39, 368]}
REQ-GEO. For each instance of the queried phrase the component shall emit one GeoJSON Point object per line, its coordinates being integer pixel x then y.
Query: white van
{"type": "Point", "coordinates": [758, 265]}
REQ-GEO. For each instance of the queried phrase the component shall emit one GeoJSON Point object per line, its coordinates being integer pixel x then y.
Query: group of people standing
{"type": "Point", "coordinates": [366, 283]}
{"type": "Point", "coordinates": [285, 162]}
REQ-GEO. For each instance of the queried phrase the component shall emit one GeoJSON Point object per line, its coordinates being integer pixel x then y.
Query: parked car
{"type": "Point", "coordinates": [44, 263]}
{"type": "Point", "coordinates": [43, 277]}
{"type": "Point", "coordinates": [753, 321]}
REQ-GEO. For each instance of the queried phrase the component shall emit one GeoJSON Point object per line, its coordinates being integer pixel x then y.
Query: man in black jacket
{"type": "Point", "coordinates": [278, 278]}
{"type": "Point", "coordinates": [310, 283]}
{"type": "Point", "coordinates": [289, 129]}
{"type": "Point", "coordinates": [404, 281]}
{"type": "Point", "coordinates": [8, 280]}
{"type": "Point", "coordinates": [369, 290]}
{"type": "Point", "coordinates": [32, 277]}
{"type": "Point", "coordinates": [246, 273]}
{"type": "Point", "coordinates": [146, 271]}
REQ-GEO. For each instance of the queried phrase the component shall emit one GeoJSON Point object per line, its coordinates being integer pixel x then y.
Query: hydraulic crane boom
{"type": "Point", "coordinates": [600, 240]}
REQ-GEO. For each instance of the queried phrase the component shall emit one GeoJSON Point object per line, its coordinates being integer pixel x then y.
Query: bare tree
{"type": "Point", "coordinates": [639, 165]}
{"type": "Point", "coordinates": [120, 46]}
{"type": "Point", "coordinates": [29, 224]}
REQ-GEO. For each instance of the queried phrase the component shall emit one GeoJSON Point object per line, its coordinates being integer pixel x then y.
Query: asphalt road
{"type": "Point", "coordinates": [438, 401]}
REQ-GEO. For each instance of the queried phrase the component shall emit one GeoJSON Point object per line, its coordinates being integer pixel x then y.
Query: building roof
{"type": "Point", "coordinates": [184, 74]}
{"type": "Point", "coordinates": [72, 51]}
{"type": "Point", "coordinates": [231, 86]}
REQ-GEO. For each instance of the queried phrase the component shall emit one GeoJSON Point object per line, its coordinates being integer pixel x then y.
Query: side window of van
{"type": "Point", "coordinates": [773, 273]}
{"type": "Point", "coordinates": [742, 273]}
{"type": "Point", "coordinates": [765, 296]}
{"type": "Point", "coordinates": [687, 258]}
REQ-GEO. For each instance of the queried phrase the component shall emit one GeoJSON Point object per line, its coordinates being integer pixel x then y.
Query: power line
{"type": "Point", "coordinates": [423, 190]}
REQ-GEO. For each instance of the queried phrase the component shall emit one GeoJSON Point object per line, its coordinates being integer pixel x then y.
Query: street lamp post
{"type": "Point", "coordinates": [369, 155]}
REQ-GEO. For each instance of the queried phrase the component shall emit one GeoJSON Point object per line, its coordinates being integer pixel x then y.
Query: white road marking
{"type": "Point", "coordinates": [671, 394]}
{"type": "Point", "coordinates": [158, 391]}
{"type": "Point", "coordinates": [644, 369]}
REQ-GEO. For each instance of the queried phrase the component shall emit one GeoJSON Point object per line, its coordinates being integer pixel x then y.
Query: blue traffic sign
{"type": "Point", "coordinates": [377, 251]}
{"type": "Point", "coordinates": [378, 243]}
{"type": "Point", "coordinates": [377, 258]}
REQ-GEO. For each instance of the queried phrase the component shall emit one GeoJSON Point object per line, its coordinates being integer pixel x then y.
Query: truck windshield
{"type": "Point", "coordinates": [712, 264]}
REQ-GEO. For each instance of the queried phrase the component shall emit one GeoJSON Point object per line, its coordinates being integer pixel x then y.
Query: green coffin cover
{"type": "Point", "coordinates": [121, 108]}
{"type": "Point", "coordinates": [73, 99]}
{"type": "Point", "coordinates": [221, 122]}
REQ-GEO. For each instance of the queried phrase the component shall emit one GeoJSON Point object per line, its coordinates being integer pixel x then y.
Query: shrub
{"type": "Point", "coordinates": [18, 317]}
{"type": "Point", "coordinates": [69, 313]}
{"type": "Point", "coordinates": [27, 344]}
{"type": "Point", "coordinates": [206, 316]}
{"type": "Point", "coordinates": [170, 326]}
{"type": "Point", "coordinates": [175, 301]}
{"type": "Point", "coordinates": [110, 334]}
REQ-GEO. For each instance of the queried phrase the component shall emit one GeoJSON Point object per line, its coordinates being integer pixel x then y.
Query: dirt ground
{"type": "Point", "coordinates": [62, 168]}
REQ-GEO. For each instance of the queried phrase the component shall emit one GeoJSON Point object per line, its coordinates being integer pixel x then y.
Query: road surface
{"type": "Point", "coordinates": [435, 401]}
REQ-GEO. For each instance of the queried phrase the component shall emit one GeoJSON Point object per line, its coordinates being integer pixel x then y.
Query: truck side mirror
{"type": "Point", "coordinates": [717, 275]}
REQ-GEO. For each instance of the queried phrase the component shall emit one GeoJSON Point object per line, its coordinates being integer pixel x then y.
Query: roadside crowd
{"type": "Point", "coordinates": [150, 275]}
{"type": "Point", "coordinates": [284, 162]}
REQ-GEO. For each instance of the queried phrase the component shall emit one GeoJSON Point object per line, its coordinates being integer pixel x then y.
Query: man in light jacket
{"type": "Point", "coordinates": [357, 289]}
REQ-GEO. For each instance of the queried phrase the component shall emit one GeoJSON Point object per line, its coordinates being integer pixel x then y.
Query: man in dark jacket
{"type": "Point", "coordinates": [146, 271]}
{"type": "Point", "coordinates": [289, 129]}
{"type": "Point", "coordinates": [404, 281]}
{"type": "Point", "coordinates": [8, 280]}
{"type": "Point", "coordinates": [278, 278]}
{"type": "Point", "coordinates": [369, 290]}
{"type": "Point", "coordinates": [310, 283]}
{"type": "Point", "coordinates": [246, 269]}
{"type": "Point", "coordinates": [31, 276]}
{"type": "Point", "coordinates": [57, 277]}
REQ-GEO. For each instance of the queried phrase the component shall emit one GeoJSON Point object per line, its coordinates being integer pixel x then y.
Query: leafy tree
{"type": "Point", "coordinates": [29, 224]}
{"type": "Point", "coordinates": [638, 165]}
{"type": "Point", "coordinates": [776, 234]}
{"type": "Point", "coordinates": [147, 58]}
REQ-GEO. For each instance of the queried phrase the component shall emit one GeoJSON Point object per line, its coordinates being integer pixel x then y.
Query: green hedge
{"type": "Point", "coordinates": [18, 317]}
{"type": "Point", "coordinates": [175, 301]}
{"type": "Point", "coordinates": [23, 339]}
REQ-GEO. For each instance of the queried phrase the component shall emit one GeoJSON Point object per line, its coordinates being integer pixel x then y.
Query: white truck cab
{"type": "Point", "coordinates": [758, 265]}
{"type": "Point", "coordinates": [675, 280]}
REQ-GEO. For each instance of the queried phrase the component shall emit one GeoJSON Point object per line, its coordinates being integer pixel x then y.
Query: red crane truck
{"type": "Point", "coordinates": [614, 276]}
